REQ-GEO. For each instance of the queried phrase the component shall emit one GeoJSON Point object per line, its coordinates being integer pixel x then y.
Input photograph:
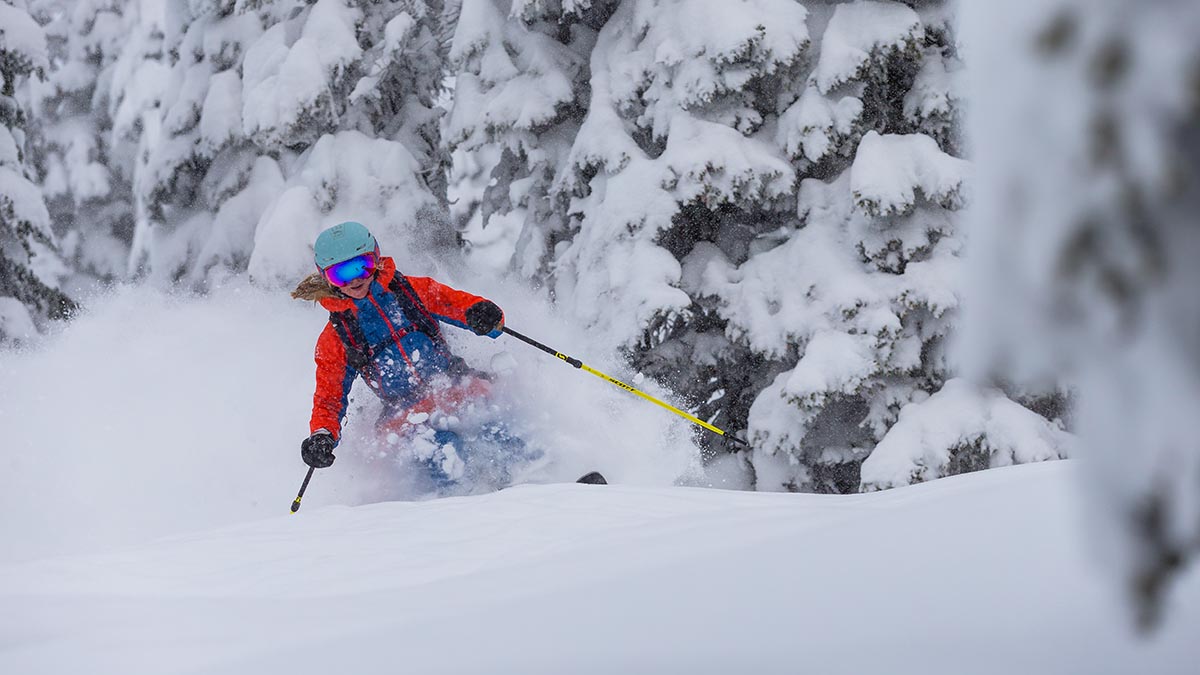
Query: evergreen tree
{"type": "Point", "coordinates": [90, 200]}
{"type": "Point", "coordinates": [759, 206]}
{"type": "Point", "coordinates": [519, 99]}
{"type": "Point", "coordinates": [258, 123]}
{"type": "Point", "coordinates": [30, 268]}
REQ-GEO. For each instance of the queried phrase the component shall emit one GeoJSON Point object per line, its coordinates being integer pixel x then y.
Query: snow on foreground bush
{"type": "Point", "coordinates": [959, 429]}
{"type": "Point", "coordinates": [1086, 125]}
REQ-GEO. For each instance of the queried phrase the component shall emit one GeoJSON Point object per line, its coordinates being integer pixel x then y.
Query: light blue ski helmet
{"type": "Point", "coordinates": [342, 242]}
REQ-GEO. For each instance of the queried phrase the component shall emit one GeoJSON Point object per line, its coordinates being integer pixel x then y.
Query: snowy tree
{"type": "Point", "coordinates": [1086, 244]}
{"type": "Point", "coordinates": [759, 204]}
{"type": "Point", "coordinates": [519, 100]}
{"type": "Point", "coordinates": [89, 197]}
{"type": "Point", "coordinates": [555, 174]}
{"type": "Point", "coordinates": [30, 268]}
{"type": "Point", "coordinates": [258, 123]}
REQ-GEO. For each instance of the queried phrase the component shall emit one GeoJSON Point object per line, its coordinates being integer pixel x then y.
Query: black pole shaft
{"type": "Point", "coordinates": [528, 340]}
{"type": "Point", "coordinates": [303, 487]}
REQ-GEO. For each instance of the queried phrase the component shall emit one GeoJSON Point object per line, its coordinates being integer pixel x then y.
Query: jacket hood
{"type": "Point", "coordinates": [315, 288]}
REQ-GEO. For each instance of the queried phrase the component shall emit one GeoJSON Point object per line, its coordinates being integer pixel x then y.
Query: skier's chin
{"type": "Point", "coordinates": [357, 289]}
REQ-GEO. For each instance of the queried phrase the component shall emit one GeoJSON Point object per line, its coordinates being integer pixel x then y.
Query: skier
{"type": "Point", "coordinates": [383, 327]}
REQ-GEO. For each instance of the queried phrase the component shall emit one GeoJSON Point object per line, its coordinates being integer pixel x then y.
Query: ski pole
{"type": "Point", "coordinates": [612, 380]}
{"type": "Point", "coordinates": [303, 487]}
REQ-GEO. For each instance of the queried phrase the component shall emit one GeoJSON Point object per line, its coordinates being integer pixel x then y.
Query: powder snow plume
{"type": "Point", "coordinates": [155, 413]}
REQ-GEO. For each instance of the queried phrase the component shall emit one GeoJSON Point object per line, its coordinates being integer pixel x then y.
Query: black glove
{"type": "Point", "coordinates": [484, 317]}
{"type": "Point", "coordinates": [317, 450]}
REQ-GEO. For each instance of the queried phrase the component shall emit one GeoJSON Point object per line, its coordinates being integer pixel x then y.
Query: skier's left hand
{"type": "Point", "coordinates": [484, 317]}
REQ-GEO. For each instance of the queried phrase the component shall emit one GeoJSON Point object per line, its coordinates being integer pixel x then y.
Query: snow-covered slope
{"type": "Point", "coordinates": [981, 573]}
{"type": "Point", "coordinates": [157, 415]}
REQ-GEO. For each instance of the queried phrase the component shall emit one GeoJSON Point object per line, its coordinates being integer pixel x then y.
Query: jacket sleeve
{"type": "Point", "coordinates": [334, 378]}
{"type": "Point", "coordinates": [448, 305]}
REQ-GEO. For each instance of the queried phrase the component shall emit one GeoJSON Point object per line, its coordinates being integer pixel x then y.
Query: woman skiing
{"type": "Point", "coordinates": [383, 327]}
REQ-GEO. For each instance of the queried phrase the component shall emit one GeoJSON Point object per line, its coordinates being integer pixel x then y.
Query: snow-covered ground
{"type": "Point", "coordinates": [983, 573]}
{"type": "Point", "coordinates": [150, 457]}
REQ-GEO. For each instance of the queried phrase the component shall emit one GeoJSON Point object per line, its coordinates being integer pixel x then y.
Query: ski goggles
{"type": "Point", "coordinates": [358, 267]}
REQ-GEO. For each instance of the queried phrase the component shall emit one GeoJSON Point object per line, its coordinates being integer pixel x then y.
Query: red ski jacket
{"type": "Point", "coordinates": [404, 353]}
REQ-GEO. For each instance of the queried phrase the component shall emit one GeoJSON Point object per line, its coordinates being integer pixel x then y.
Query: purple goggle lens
{"type": "Point", "coordinates": [359, 267]}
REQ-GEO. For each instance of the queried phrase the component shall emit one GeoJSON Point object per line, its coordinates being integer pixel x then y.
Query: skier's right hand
{"type": "Point", "coordinates": [317, 450]}
{"type": "Point", "coordinates": [484, 317]}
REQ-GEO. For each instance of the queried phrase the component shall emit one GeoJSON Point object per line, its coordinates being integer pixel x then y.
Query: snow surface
{"type": "Point", "coordinates": [981, 573]}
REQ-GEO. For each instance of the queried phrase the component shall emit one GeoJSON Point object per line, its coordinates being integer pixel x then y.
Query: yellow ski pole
{"type": "Point", "coordinates": [612, 380]}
